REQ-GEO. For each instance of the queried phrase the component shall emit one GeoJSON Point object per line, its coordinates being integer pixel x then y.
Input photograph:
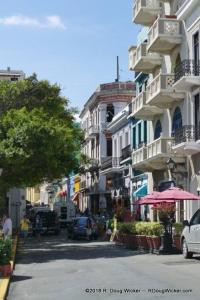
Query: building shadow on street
{"type": "Point", "coordinates": [51, 248]}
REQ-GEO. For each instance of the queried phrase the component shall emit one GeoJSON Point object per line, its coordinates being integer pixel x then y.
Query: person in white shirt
{"type": "Point", "coordinates": [7, 227]}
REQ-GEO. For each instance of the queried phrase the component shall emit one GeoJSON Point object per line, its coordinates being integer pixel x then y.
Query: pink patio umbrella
{"type": "Point", "coordinates": [144, 201]}
{"type": "Point", "coordinates": [176, 194]}
{"type": "Point", "coordinates": [152, 198]}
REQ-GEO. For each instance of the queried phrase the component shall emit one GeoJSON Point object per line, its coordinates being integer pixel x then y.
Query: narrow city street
{"type": "Point", "coordinates": [56, 269]}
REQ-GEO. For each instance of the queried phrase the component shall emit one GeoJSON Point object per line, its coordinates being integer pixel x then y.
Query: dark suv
{"type": "Point", "coordinates": [50, 222]}
{"type": "Point", "coordinates": [78, 229]}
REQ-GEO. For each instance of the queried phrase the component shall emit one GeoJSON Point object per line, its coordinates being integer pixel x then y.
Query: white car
{"type": "Point", "coordinates": [190, 237]}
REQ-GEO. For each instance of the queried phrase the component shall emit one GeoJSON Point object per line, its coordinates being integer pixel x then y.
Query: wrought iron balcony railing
{"type": "Point", "coordinates": [126, 152]}
{"type": "Point", "coordinates": [188, 67]}
{"type": "Point", "coordinates": [110, 162]}
{"type": "Point", "coordinates": [187, 133]}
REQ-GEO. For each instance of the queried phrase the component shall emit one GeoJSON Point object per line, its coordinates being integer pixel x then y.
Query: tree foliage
{"type": "Point", "coordinates": [39, 139]}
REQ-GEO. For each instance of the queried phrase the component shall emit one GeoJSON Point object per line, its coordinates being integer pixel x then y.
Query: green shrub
{"type": "Point", "coordinates": [5, 251]}
{"type": "Point", "coordinates": [156, 229]}
{"type": "Point", "coordinates": [149, 228]}
{"type": "Point", "coordinates": [128, 228]}
{"type": "Point", "coordinates": [178, 228]}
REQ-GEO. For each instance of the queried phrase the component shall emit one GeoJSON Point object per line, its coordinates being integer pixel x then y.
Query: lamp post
{"type": "Point", "coordinates": [198, 183]}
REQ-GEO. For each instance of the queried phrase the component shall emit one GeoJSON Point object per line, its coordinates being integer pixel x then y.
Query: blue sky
{"type": "Point", "coordinates": [73, 43]}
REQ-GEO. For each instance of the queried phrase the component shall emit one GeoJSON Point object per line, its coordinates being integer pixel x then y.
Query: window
{"type": "Point", "coordinates": [145, 132]}
{"type": "Point", "coordinates": [126, 139]}
{"type": "Point", "coordinates": [177, 120]}
{"type": "Point", "coordinates": [158, 130]}
{"type": "Point", "coordinates": [134, 138]}
{"type": "Point", "coordinates": [139, 134]}
{"type": "Point", "coordinates": [196, 218]}
{"type": "Point", "coordinates": [110, 113]}
{"type": "Point", "coordinates": [196, 48]}
{"type": "Point", "coordinates": [109, 147]}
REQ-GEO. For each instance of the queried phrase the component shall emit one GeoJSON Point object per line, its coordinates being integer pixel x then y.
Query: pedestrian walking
{"type": "Point", "coordinates": [7, 226]}
{"type": "Point", "coordinates": [89, 229]}
{"type": "Point", "coordinates": [38, 226]}
{"type": "Point", "coordinates": [24, 226]}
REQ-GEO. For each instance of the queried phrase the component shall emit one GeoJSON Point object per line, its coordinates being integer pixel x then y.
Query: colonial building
{"type": "Point", "coordinates": [107, 101]}
{"type": "Point", "coordinates": [169, 101]}
{"type": "Point", "coordinates": [117, 168]}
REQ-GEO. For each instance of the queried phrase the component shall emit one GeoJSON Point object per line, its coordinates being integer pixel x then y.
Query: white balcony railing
{"type": "Point", "coordinates": [161, 146]}
{"type": "Point", "coordinates": [139, 155]}
{"type": "Point", "coordinates": [138, 102]}
{"type": "Point", "coordinates": [142, 60]}
{"type": "Point", "coordinates": [145, 11]}
{"type": "Point", "coordinates": [162, 82]}
{"type": "Point", "coordinates": [164, 34]}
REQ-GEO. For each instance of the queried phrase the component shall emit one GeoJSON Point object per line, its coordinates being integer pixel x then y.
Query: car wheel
{"type": "Point", "coordinates": [186, 253]}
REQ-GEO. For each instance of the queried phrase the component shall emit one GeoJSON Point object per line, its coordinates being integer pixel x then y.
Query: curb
{"type": "Point", "coordinates": [5, 282]}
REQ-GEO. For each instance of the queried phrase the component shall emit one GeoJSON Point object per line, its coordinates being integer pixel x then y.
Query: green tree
{"type": "Point", "coordinates": [39, 139]}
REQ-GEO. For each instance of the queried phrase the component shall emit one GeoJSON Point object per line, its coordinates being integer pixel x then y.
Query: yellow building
{"type": "Point", "coordinates": [77, 185]}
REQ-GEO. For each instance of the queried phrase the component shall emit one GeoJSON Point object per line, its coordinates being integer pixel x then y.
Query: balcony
{"type": "Point", "coordinates": [93, 131]}
{"type": "Point", "coordinates": [93, 165]}
{"type": "Point", "coordinates": [142, 61]}
{"type": "Point", "coordinates": [187, 75]}
{"type": "Point", "coordinates": [145, 11]}
{"type": "Point", "coordinates": [187, 140]}
{"type": "Point", "coordinates": [160, 92]}
{"type": "Point", "coordinates": [153, 156]}
{"type": "Point", "coordinates": [164, 35]}
{"type": "Point", "coordinates": [110, 165]}
{"type": "Point", "coordinates": [141, 110]}
{"type": "Point", "coordinates": [126, 153]}
{"type": "Point", "coordinates": [138, 158]}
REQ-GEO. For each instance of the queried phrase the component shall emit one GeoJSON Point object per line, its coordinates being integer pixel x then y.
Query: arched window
{"type": "Point", "coordinates": [158, 130]}
{"type": "Point", "coordinates": [177, 119]}
{"type": "Point", "coordinates": [110, 113]}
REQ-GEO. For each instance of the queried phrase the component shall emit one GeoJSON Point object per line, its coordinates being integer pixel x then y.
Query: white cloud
{"type": "Point", "coordinates": [48, 22]}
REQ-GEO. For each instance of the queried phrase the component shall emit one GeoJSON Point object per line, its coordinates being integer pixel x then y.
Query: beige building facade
{"type": "Point", "coordinates": [170, 101]}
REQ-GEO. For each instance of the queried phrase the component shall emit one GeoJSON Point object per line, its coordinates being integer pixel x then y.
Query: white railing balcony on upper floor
{"type": "Point", "coordinates": [140, 60]}
{"type": "Point", "coordinates": [164, 35]}
{"type": "Point", "coordinates": [160, 91]}
{"type": "Point", "coordinates": [145, 12]}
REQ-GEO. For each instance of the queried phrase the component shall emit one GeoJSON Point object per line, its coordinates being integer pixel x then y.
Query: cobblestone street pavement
{"type": "Point", "coordinates": [56, 269]}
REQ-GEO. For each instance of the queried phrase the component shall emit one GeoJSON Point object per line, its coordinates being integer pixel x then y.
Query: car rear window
{"type": "Point", "coordinates": [81, 221]}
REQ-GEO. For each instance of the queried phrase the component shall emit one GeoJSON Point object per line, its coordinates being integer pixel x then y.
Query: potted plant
{"type": "Point", "coordinates": [177, 230]}
{"type": "Point", "coordinates": [156, 232]}
{"type": "Point", "coordinates": [141, 235]}
{"type": "Point", "coordinates": [5, 257]}
{"type": "Point", "coordinates": [165, 211]}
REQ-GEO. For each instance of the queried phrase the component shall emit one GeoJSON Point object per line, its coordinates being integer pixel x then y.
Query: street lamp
{"type": "Point", "coordinates": [171, 164]}
{"type": "Point", "coordinates": [198, 182]}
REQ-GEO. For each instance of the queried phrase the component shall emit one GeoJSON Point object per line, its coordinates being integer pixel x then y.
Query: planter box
{"type": "Point", "coordinates": [5, 270]}
{"type": "Point", "coordinates": [142, 242]}
{"type": "Point", "coordinates": [156, 240]}
{"type": "Point", "coordinates": [177, 242]}
{"type": "Point", "coordinates": [150, 243]}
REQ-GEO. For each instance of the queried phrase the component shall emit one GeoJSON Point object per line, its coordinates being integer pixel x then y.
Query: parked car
{"type": "Point", "coordinates": [190, 237]}
{"type": "Point", "coordinates": [78, 229]}
{"type": "Point", "coordinates": [50, 221]}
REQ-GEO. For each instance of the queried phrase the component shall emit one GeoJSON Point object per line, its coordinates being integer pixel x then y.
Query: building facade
{"type": "Point", "coordinates": [170, 99]}
{"type": "Point", "coordinates": [107, 101]}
